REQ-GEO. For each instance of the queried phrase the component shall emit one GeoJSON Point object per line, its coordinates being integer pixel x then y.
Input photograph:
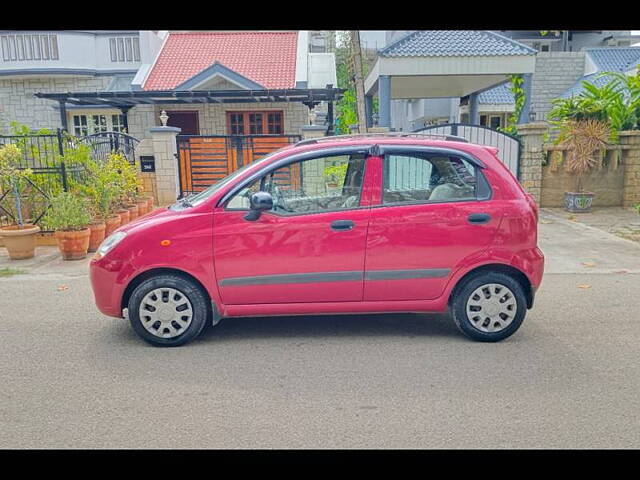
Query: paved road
{"type": "Point", "coordinates": [570, 377]}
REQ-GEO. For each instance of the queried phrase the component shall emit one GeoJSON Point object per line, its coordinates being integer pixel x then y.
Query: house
{"type": "Point", "coordinates": [563, 59]}
{"type": "Point", "coordinates": [208, 83]}
{"type": "Point", "coordinates": [69, 61]}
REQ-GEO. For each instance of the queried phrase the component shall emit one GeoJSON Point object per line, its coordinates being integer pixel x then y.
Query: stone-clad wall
{"type": "Point", "coordinates": [555, 73]}
{"type": "Point", "coordinates": [18, 103]}
{"type": "Point", "coordinates": [617, 183]}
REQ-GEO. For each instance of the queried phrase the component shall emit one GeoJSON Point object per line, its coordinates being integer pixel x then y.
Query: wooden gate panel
{"type": "Point", "coordinates": [204, 160]}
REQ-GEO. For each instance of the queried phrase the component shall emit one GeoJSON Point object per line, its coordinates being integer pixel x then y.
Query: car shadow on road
{"type": "Point", "coordinates": [318, 326]}
{"type": "Point", "coordinates": [315, 327]}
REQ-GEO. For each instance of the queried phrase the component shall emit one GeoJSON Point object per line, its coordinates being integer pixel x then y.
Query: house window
{"type": "Point", "coordinates": [274, 123]}
{"type": "Point", "coordinates": [124, 49]}
{"type": "Point", "coordinates": [255, 123]}
{"type": "Point", "coordinates": [491, 121]}
{"type": "Point", "coordinates": [80, 128]}
{"type": "Point", "coordinates": [88, 124]}
{"type": "Point", "coordinates": [29, 47]}
{"type": "Point", "coordinates": [117, 123]}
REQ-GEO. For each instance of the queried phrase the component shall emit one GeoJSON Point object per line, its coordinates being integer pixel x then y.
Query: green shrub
{"type": "Point", "coordinates": [68, 212]}
{"type": "Point", "coordinates": [12, 178]}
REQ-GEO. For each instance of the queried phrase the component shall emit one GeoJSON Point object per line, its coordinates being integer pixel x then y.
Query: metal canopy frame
{"type": "Point", "coordinates": [125, 100]}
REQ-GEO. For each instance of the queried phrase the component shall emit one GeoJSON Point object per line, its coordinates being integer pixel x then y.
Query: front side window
{"type": "Point", "coordinates": [309, 186]}
{"type": "Point", "coordinates": [429, 178]}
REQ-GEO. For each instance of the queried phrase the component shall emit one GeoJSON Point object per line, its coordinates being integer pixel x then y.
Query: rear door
{"type": "Point", "coordinates": [434, 212]}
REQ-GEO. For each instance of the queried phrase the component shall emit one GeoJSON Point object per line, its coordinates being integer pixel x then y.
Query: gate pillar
{"type": "Point", "coordinates": [165, 152]}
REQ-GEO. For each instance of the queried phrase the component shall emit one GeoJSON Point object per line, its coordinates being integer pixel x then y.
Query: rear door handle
{"type": "Point", "coordinates": [342, 225]}
{"type": "Point", "coordinates": [479, 218]}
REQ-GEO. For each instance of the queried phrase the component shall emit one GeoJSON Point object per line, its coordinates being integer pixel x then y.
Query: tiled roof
{"type": "Point", "coordinates": [267, 58]}
{"type": "Point", "coordinates": [454, 43]}
{"type": "Point", "coordinates": [613, 59]}
{"type": "Point", "coordinates": [496, 95]}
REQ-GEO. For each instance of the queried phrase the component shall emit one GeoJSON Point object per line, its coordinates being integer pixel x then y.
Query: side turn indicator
{"type": "Point", "coordinates": [165, 243]}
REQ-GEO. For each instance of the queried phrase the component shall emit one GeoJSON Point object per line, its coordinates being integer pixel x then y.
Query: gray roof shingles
{"type": "Point", "coordinates": [613, 59]}
{"type": "Point", "coordinates": [497, 95]}
{"type": "Point", "coordinates": [454, 43]}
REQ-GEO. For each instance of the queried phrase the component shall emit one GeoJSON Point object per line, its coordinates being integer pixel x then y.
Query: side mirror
{"type": "Point", "coordinates": [258, 202]}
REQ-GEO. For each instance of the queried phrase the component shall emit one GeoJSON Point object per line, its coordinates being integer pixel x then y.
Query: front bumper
{"type": "Point", "coordinates": [107, 285]}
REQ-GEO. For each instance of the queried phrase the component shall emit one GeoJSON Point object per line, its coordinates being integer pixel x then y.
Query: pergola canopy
{"type": "Point", "coordinates": [128, 99]}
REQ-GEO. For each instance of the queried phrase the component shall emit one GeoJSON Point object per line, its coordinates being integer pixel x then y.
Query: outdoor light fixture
{"type": "Point", "coordinates": [532, 116]}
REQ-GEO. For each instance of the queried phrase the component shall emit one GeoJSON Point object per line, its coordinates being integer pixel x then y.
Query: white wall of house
{"type": "Point", "coordinates": [76, 50]}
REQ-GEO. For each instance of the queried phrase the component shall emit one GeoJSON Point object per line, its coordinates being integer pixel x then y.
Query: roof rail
{"type": "Point", "coordinates": [434, 136]}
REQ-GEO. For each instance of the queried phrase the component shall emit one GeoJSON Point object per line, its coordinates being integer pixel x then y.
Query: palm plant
{"type": "Point", "coordinates": [583, 138]}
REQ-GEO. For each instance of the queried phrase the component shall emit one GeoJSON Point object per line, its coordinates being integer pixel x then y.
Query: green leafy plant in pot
{"type": "Point", "coordinates": [70, 217]}
{"type": "Point", "coordinates": [20, 237]}
{"type": "Point", "coordinates": [101, 190]}
{"type": "Point", "coordinates": [584, 139]}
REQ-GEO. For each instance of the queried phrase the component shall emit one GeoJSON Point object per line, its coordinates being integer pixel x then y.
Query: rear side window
{"type": "Point", "coordinates": [416, 178]}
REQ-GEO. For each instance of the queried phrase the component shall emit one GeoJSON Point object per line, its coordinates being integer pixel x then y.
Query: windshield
{"type": "Point", "coordinates": [196, 199]}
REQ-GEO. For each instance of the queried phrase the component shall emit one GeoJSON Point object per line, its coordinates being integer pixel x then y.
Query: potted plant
{"type": "Point", "coordinates": [69, 217]}
{"type": "Point", "coordinates": [19, 238]}
{"type": "Point", "coordinates": [126, 179]}
{"type": "Point", "coordinates": [101, 192]}
{"type": "Point", "coordinates": [584, 138]}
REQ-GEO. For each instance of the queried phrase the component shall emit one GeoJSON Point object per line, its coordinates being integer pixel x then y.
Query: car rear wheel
{"type": "Point", "coordinates": [168, 310]}
{"type": "Point", "coordinates": [489, 307]}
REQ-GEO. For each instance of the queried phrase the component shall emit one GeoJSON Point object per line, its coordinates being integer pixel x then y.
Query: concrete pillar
{"type": "Point", "coordinates": [530, 168]}
{"type": "Point", "coordinates": [526, 109]}
{"type": "Point", "coordinates": [631, 164]}
{"type": "Point", "coordinates": [312, 131]}
{"type": "Point", "coordinates": [165, 152]}
{"type": "Point", "coordinates": [474, 119]}
{"type": "Point", "coordinates": [384, 96]}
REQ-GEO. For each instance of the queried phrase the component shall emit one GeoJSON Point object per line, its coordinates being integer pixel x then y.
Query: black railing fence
{"type": "Point", "coordinates": [55, 168]}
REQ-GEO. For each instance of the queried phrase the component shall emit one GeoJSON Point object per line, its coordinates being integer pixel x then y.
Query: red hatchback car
{"type": "Point", "coordinates": [355, 224]}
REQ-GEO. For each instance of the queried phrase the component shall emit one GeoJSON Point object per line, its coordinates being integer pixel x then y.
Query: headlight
{"type": "Point", "coordinates": [109, 243]}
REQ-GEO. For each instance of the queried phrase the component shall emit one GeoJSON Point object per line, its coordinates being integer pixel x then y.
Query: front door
{"type": "Point", "coordinates": [187, 121]}
{"type": "Point", "coordinates": [432, 214]}
{"type": "Point", "coordinates": [309, 248]}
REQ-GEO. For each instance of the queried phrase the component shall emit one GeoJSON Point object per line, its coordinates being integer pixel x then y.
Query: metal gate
{"type": "Point", "coordinates": [509, 147]}
{"type": "Point", "coordinates": [205, 159]}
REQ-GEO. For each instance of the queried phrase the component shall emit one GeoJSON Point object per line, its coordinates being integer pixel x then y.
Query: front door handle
{"type": "Point", "coordinates": [479, 218]}
{"type": "Point", "coordinates": [342, 225]}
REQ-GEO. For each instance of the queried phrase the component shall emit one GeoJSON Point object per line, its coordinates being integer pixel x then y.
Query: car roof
{"type": "Point", "coordinates": [394, 138]}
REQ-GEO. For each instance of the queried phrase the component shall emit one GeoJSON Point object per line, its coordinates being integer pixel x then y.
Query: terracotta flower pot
{"type": "Point", "coordinates": [133, 212]}
{"type": "Point", "coordinates": [125, 216]}
{"type": "Point", "coordinates": [20, 242]}
{"type": "Point", "coordinates": [73, 244]}
{"type": "Point", "coordinates": [150, 203]}
{"type": "Point", "coordinates": [112, 223]}
{"type": "Point", "coordinates": [98, 229]}
{"type": "Point", "coordinates": [143, 207]}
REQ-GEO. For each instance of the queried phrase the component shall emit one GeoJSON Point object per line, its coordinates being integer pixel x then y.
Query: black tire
{"type": "Point", "coordinates": [199, 304]}
{"type": "Point", "coordinates": [463, 293]}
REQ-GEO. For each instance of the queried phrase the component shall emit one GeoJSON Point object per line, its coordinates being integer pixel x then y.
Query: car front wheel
{"type": "Point", "coordinates": [489, 307]}
{"type": "Point", "coordinates": [168, 310]}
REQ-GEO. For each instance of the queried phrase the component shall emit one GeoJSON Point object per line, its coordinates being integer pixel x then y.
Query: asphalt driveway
{"type": "Point", "coordinates": [569, 378]}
